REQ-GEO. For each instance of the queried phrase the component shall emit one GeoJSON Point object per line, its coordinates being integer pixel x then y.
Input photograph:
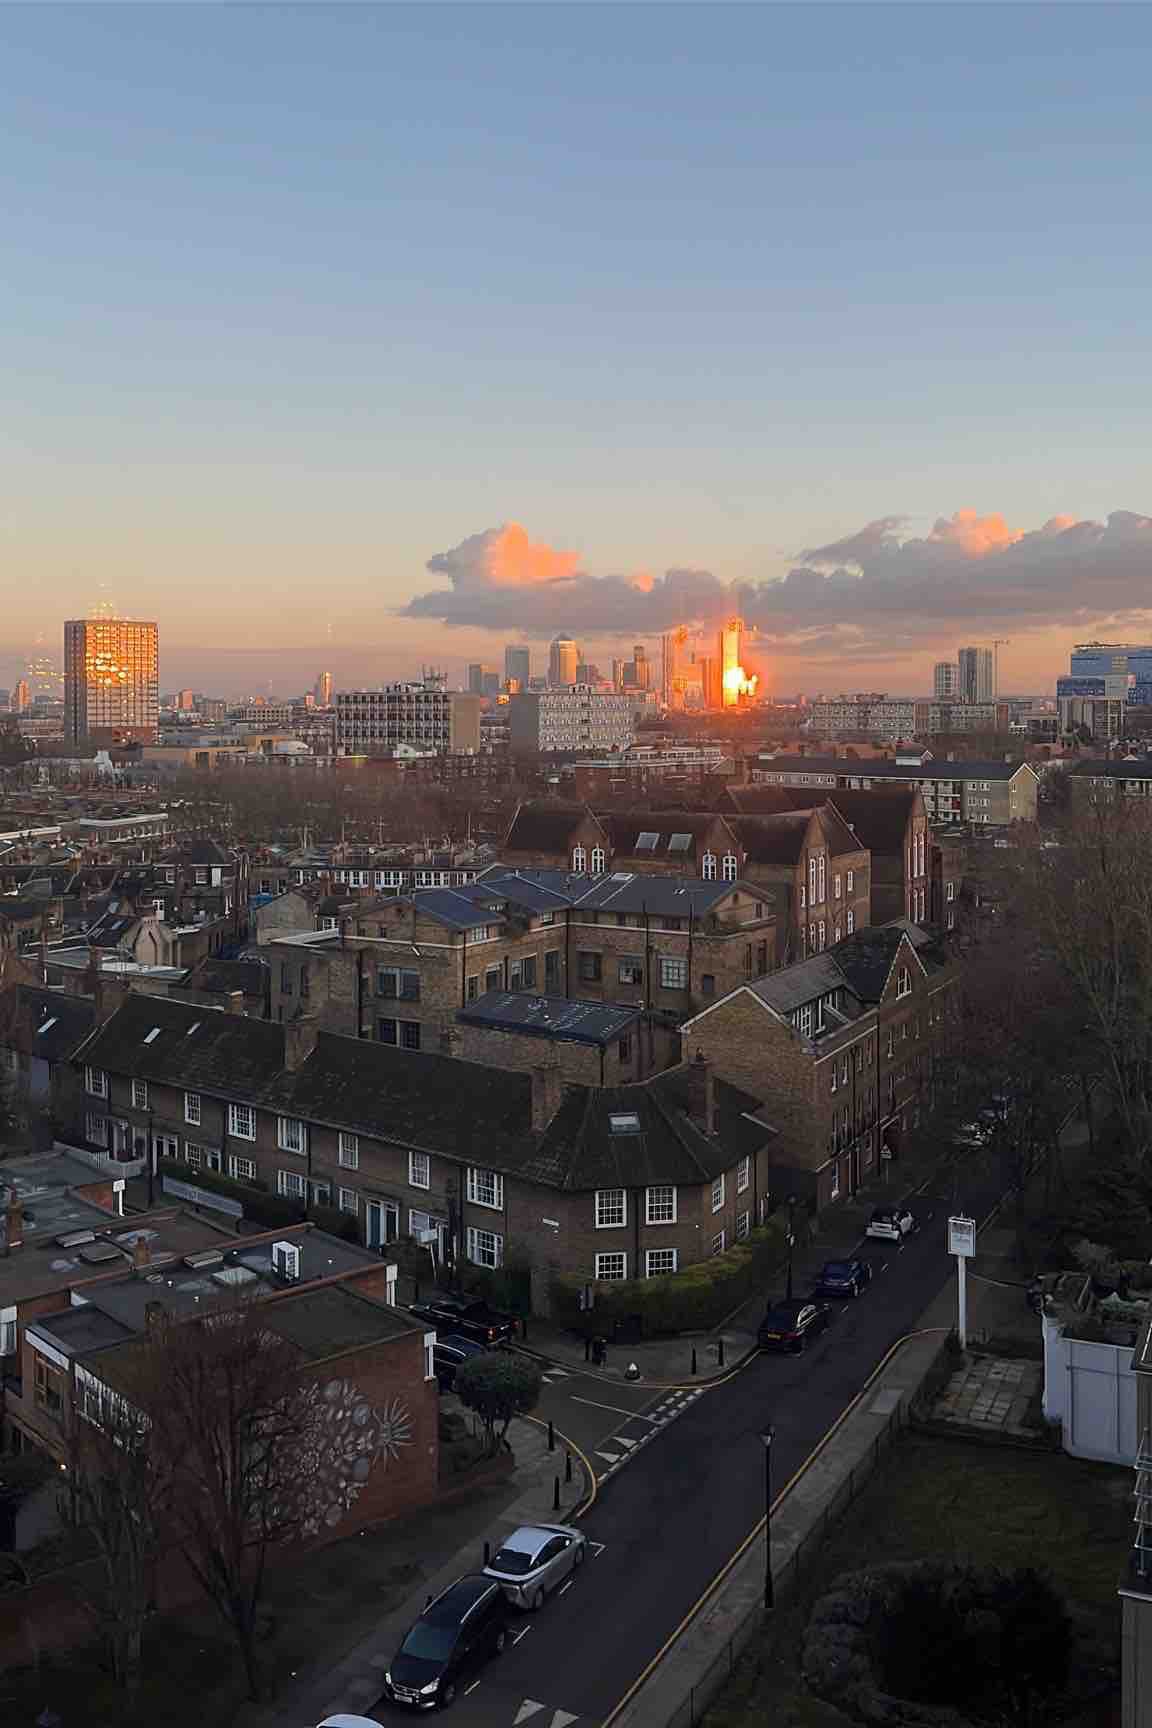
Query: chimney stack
{"type": "Point", "coordinates": [547, 1092]}
{"type": "Point", "coordinates": [299, 1040]}
{"type": "Point", "coordinates": [702, 1093]}
{"type": "Point", "coordinates": [154, 1317]}
{"type": "Point", "coordinates": [235, 1002]}
{"type": "Point", "coordinates": [141, 1253]}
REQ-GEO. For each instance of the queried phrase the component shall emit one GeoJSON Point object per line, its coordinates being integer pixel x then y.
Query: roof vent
{"type": "Point", "coordinates": [286, 1261]}
{"type": "Point", "coordinates": [208, 1257]}
{"type": "Point", "coordinates": [75, 1238]}
{"type": "Point", "coordinates": [151, 1037]}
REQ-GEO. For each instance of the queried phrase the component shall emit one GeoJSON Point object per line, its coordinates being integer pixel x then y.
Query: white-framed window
{"type": "Point", "coordinates": [708, 871]}
{"type": "Point", "coordinates": [743, 1174]}
{"type": "Point", "coordinates": [812, 880]}
{"type": "Point", "coordinates": [658, 1262]}
{"type": "Point", "coordinates": [851, 881]}
{"type": "Point", "coordinates": [486, 1188]}
{"type": "Point", "coordinates": [611, 1268]}
{"type": "Point", "coordinates": [719, 1242]}
{"type": "Point", "coordinates": [822, 875]}
{"type": "Point", "coordinates": [728, 867]}
{"type": "Point", "coordinates": [660, 1205]}
{"type": "Point", "coordinates": [139, 1094]}
{"type": "Point", "coordinates": [96, 1129]}
{"type": "Point", "coordinates": [291, 1185]}
{"type": "Point", "coordinates": [611, 1208]}
{"type": "Point", "coordinates": [673, 973]}
{"type": "Point", "coordinates": [243, 1169]}
{"type": "Point", "coordinates": [903, 982]}
{"type": "Point", "coordinates": [836, 886]}
{"type": "Point", "coordinates": [849, 921]}
{"type": "Point", "coordinates": [290, 1134]}
{"type": "Point", "coordinates": [192, 1108]}
{"type": "Point", "coordinates": [579, 858]}
{"type": "Point", "coordinates": [597, 860]}
{"type": "Point", "coordinates": [743, 1225]}
{"type": "Point", "coordinates": [485, 1248]}
{"type": "Point", "coordinates": [803, 897]}
{"type": "Point", "coordinates": [8, 1331]}
{"type": "Point", "coordinates": [834, 1190]}
{"type": "Point", "coordinates": [348, 1200]}
{"type": "Point", "coordinates": [950, 891]}
{"type": "Point", "coordinates": [348, 1151]}
{"type": "Point", "coordinates": [96, 1082]}
{"type": "Point", "coordinates": [419, 1170]}
{"type": "Point", "coordinates": [242, 1121]}
{"type": "Point", "coordinates": [835, 1080]}
{"type": "Point", "coordinates": [804, 1020]}
{"type": "Point", "coordinates": [717, 1193]}
{"type": "Point", "coordinates": [823, 934]}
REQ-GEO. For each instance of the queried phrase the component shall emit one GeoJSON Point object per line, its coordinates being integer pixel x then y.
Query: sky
{"type": "Point", "coordinates": [371, 337]}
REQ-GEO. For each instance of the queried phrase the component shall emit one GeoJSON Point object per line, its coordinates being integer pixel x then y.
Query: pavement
{"type": "Point", "coordinates": [992, 1396]}
{"type": "Point", "coordinates": [676, 1473]}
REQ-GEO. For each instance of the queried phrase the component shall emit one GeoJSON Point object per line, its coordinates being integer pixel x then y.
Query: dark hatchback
{"type": "Point", "coordinates": [843, 1278]}
{"type": "Point", "coordinates": [790, 1325]}
{"type": "Point", "coordinates": [449, 1353]}
{"type": "Point", "coordinates": [469, 1318]}
{"type": "Point", "coordinates": [459, 1630]}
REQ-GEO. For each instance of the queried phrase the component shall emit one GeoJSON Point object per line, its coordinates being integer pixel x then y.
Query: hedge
{"type": "Point", "coordinates": [694, 1300]}
{"type": "Point", "coordinates": [260, 1205]}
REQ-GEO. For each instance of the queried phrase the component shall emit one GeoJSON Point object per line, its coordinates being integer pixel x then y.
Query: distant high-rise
{"type": "Point", "coordinates": [322, 690]}
{"type": "Point", "coordinates": [518, 665]}
{"type": "Point", "coordinates": [945, 680]}
{"type": "Point", "coordinates": [21, 697]}
{"type": "Point", "coordinates": [563, 659]}
{"type": "Point", "coordinates": [111, 681]}
{"type": "Point", "coordinates": [476, 678]}
{"type": "Point", "coordinates": [975, 674]}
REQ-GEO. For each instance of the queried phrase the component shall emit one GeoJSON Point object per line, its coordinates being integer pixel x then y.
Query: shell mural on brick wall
{"type": "Point", "coordinates": [350, 1437]}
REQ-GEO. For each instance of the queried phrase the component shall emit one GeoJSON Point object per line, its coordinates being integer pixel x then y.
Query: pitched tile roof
{"type": "Point", "coordinates": [558, 1017]}
{"type": "Point", "coordinates": [775, 839]}
{"type": "Point", "coordinates": [50, 1024]}
{"type": "Point", "coordinates": [544, 827]}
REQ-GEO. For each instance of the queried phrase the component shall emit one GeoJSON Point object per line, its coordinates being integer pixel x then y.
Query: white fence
{"type": "Point", "coordinates": [1090, 1389]}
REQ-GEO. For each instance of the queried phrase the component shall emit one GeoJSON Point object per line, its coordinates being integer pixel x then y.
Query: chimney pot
{"type": "Point", "coordinates": [702, 1093]}
{"type": "Point", "coordinates": [141, 1252]}
{"type": "Point", "coordinates": [235, 1001]}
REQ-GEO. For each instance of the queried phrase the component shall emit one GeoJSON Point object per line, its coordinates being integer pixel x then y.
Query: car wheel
{"type": "Point", "coordinates": [536, 1602]}
{"type": "Point", "coordinates": [448, 1695]}
{"type": "Point", "coordinates": [501, 1641]}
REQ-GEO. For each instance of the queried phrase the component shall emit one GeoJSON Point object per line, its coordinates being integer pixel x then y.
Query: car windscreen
{"type": "Point", "coordinates": [430, 1642]}
{"type": "Point", "coordinates": [838, 1269]}
{"type": "Point", "coordinates": [514, 1561]}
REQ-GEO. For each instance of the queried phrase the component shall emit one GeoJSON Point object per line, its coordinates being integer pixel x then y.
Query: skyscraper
{"type": "Point", "coordinates": [975, 674]}
{"type": "Point", "coordinates": [322, 690]}
{"type": "Point", "coordinates": [563, 659]}
{"type": "Point", "coordinates": [21, 697]}
{"type": "Point", "coordinates": [518, 665]}
{"type": "Point", "coordinates": [111, 681]}
{"type": "Point", "coordinates": [945, 680]}
{"type": "Point", "coordinates": [475, 678]}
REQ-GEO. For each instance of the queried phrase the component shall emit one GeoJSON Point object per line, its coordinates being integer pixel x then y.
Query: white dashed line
{"type": "Point", "coordinates": [612, 1457]}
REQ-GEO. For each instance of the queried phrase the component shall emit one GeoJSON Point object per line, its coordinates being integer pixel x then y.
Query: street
{"type": "Point", "coordinates": [669, 1519]}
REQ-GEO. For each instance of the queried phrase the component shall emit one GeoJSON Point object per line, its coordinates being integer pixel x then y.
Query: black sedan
{"type": "Point", "coordinates": [843, 1278]}
{"type": "Point", "coordinates": [449, 1353]}
{"type": "Point", "coordinates": [790, 1325]}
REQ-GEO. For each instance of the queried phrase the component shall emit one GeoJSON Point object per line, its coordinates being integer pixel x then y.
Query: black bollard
{"type": "Point", "coordinates": [567, 1466]}
{"type": "Point", "coordinates": [555, 1493]}
{"type": "Point", "coordinates": [551, 1436]}
{"type": "Point", "coordinates": [693, 1358]}
{"type": "Point", "coordinates": [720, 1352]}
{"type": "Point", "coordinates": [524, 1328]}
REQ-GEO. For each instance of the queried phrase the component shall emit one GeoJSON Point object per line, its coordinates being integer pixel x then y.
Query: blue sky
{"type": "Point", "coordinates": [295, 298]}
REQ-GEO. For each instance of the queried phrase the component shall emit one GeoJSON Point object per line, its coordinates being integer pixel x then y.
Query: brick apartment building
{"type": "Point", "coordinates": [592, 1043]}
{"type": "Point", "coordinates": [992, 793]}
{"type": "Point", "coordinates": [846, 1048]}
{"type": "Point", "coordinates": [399, 970]}
{"type": "Point", "coordinates": [594, 1182]}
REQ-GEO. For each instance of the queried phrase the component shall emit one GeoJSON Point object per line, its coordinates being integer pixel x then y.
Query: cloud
{"type": "Point", "coordinates": [877, 589]}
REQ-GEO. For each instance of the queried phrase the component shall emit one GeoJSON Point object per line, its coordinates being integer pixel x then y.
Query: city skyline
{"type": "Point", "coordinates": [343, 351]}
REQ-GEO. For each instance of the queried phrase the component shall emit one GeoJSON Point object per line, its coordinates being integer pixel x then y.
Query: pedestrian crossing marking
{"type": "Point", "coordinates": [623, 1440]}
{"type": "Point", "coordinates": [612, 1457]}
{"type": "Point", "coordinates": [561, 1718]}
{"type": "Point", "coordinates": [528, 1708]}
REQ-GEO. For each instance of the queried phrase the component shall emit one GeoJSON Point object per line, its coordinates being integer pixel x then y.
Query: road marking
{"type": "Point", "coordinates": [561, 1719]}
{"type": "Point", "coordinates": [585, 1506]}
{"type": "Point", "coordinates": [617, 1409]}
{"type": "Point", "coordinates": [612, 1457]}
{"type": "Point", "coordinates": [623, 1440]}
{"type": "Point", "coordinates": [564, 1588]}
{"type": "Point", "coordinates": [528, 1708]}
{"type": "Point", "coordinates": [548, 1379]}
{"type": "Point", "coordinates": [516, 1637]}
{"type": "Point", "coordinates": [471, 1688]}
{"type": "Point", "coordinates": [561, 1373]}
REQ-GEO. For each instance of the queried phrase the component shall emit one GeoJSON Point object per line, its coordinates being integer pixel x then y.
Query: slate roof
{"type": "Point", "coordinates": [621, 890]}
{"type": "Point", "coordinates": [544, 827]}
{"type": "Point", "coordinates": [877, 816]}
{"type": "Point", "coordinates": [221, 977]}
{"type": "Point", "coordinates": [1112, 770]}
{"type": "Point", "coordinates": [775, 839]}
{"type": "Point", "coordinates": [624, 832]}
{"type": "Point", "coordinates": [16, 911]}
{"type": "Point", "coordinates": [50, 1024]}
{"type": "Point", "coordinates": [887, 770]}
{"type": "Point", "coordinates": [432, 1102]}
{"type": "Point", "coordinates": [860, 964]}
{"type": "Point", "coordinates": [559, 1017]}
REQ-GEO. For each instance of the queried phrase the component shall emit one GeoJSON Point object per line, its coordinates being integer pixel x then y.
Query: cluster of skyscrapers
{"type": "Point", "coordinates": [970, 678]}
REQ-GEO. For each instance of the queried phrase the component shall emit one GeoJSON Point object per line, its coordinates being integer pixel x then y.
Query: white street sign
{"type": "Point", "coordinates": [962, 1236]}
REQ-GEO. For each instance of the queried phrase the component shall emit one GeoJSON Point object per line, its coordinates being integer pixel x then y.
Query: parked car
{"type": "Point", "coordinates": [344, 1721]}
{"type": "Point", "coordinates": [890, 1223]}
{"type": "Point", "coordinates": [789, 1325]}
{"type": "Point", "coordinates": [535, 1560]}
{"type": "Point", "coordinates": [449, 1352]}
{"type": "Point", "coordinates": [977, 1133]}
{"type": "Point", "coordinates": [460, 1629]}
{"type": "Point", "coordinates": [843, 1278]}
{"type": "Point", "coordinates": [468, 1317]}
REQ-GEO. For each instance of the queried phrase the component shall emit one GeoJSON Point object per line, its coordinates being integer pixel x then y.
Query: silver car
{"type": "Point", "coordinates": [534, 1560]}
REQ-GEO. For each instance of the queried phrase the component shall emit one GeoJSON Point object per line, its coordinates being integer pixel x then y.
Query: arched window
{"type": "Point", "coordinates": [729, 867]}
{"type": "Point", "coordinates": [597, 860]}
{"type": "Point", "coordinates": [578, 858]}
{"type": "Point", "coordinates": [708, 867]}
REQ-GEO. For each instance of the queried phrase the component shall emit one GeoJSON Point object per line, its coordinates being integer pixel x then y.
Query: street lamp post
{"type": "Point", "coordinates": [791, 1240]}
{"type": "Point", "coordinates": [766, 1438]}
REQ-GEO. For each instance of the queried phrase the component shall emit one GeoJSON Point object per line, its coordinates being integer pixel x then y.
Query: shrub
{"type": "Point", "coordinates": [259, 1205]}
{"type": "Point", "coordinates": [694, 1300]}
{"type": "Point", "coordinates": [496, 1387]}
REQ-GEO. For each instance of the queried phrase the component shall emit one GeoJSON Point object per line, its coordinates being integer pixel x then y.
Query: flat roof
{"type": "Point", "coordinates": [560, 1017]}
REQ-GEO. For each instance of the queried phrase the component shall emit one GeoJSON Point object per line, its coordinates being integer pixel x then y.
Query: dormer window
{"type": "Point", "coordinates": [708, 867]}
{"type": "Point", "coordinates": [903, 982]}
{"type": "Point", "coordinates": [729, 867]}
{"type": "Point", "coordinates": [597, 860]}
{"type": "Point", "coordinates": [579, 858]}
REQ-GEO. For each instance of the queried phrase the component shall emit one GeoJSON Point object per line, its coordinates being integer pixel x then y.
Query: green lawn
{"type": "Point", "coordinates": [938, 1499]}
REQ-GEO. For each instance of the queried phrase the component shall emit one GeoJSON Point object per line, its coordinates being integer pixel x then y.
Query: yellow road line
{"type": "Point", "coordinates": [758, 1529]}
{"type": "Point", "coordinates": [589, 1473]}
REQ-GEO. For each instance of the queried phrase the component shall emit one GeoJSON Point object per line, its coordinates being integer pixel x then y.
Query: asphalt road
{"type": "Point", "coordinates": [666, 1524]}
